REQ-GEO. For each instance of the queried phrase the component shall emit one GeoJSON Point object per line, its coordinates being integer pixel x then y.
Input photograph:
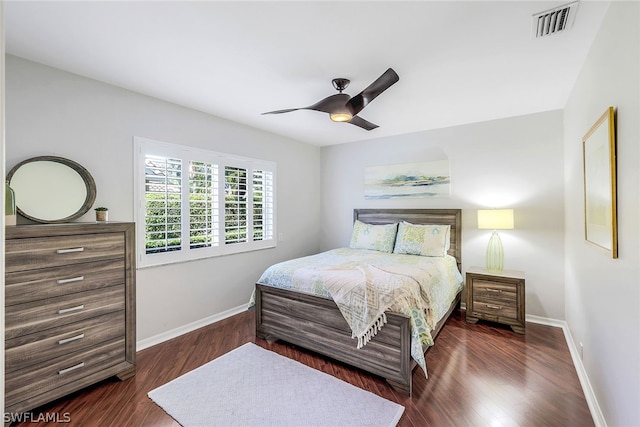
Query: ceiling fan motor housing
{"type": "Point", "coordinates": [340, 84]}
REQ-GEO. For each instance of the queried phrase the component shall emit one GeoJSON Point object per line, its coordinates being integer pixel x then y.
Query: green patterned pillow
{"type": "Point", "coordinates": [426, 240]}
{"type": "Point", "coordinates": [374, 237]}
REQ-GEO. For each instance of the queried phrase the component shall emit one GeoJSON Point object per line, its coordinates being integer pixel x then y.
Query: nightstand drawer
{"type": "Point", "coordinates": [495, 309]}
{"type": "Point", "coordinates": [494, 292]}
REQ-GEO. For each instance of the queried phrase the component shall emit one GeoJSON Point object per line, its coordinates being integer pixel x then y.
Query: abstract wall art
{"type": "Point", "coordinates": [408, 180]}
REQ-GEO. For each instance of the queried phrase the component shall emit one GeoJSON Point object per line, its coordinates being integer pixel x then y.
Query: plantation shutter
{"type": "Point", "coordinates": [203, 205]}
{"type": "Point", "coordinates": [262, 205]}
{"type": "Point", "coordinates": [163, 204]}
{"type": "Point", "coordinates": [235, 218]}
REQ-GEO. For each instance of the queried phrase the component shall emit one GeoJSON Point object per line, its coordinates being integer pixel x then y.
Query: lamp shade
{"type": "Point", "coordinates": [495, 219]}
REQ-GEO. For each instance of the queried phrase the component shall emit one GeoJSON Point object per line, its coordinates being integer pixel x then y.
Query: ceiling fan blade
{"type": "Point", "coordinates": [358, 102]}
{"type": "Point", "coordinates": [329, 104]}
{"type": "Point", "coordinates": [282, 111]}
{"type": "Point", "coordinates": [359, 121]}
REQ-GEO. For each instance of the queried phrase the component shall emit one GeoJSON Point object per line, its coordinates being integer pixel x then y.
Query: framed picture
{"type": "Point", "coordinates": [599, 162]}
{"type": "Point", "coordinates": [408, 180]}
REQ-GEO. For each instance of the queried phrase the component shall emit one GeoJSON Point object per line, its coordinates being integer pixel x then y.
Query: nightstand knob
{"type": "Point", "coordinates": [494, 290]}
{"type": "Point", "coordinates": [495, 307]}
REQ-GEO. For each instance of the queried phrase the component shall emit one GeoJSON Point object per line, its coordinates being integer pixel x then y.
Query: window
{"type": "Point", "coordinates": [193, 203]}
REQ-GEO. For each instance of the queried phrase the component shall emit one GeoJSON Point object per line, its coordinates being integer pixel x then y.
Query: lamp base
{"type": "Point", "coordinates": [495, 254]}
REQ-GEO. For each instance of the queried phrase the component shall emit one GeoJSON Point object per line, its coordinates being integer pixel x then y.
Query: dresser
{"type": "Point", "coordinates": [497, 297]}
{"type": "Point", "coordinates": [69, 309]}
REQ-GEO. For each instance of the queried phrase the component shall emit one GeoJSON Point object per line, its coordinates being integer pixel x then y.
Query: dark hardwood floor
{"type": "Point", "coordinates": [479, 375]}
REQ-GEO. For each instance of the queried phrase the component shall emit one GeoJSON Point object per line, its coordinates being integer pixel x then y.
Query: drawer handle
{"type": "Point", "coordinates": [66, 340]}
{"type": "Point", "coordinates": [68, 310]}
{"type": "Point", "coordinates": [495, 307]}
{"type": "Point", "coordinates": [493, 290]}
{"type": "Point", "coordinates": [73, 368]}
{"type": "Point", "coordinates": [73, 279]}
{"type": "Point", "coordinates": [67, 251]}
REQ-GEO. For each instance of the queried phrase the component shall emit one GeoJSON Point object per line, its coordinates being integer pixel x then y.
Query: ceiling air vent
{"type": "Point", "coordinates": [553, 21]}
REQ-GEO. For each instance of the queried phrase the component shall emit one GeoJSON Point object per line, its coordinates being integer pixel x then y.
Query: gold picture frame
{"type": "Point", "coordinates": [599, 165]}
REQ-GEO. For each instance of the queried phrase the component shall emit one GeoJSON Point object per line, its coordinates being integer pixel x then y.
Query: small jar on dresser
{"type": "Point", "coordinates": [496, 297]}
{"type": "Point", "coordinates": [69, 309]}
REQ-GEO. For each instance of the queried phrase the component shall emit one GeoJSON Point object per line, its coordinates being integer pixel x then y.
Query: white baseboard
{"type": "Point", "coordinates": [173, 333]}
{"type": "Point", "coordinates": [592, 402]}
{"type": "Point", "coordinates": [545, 321]}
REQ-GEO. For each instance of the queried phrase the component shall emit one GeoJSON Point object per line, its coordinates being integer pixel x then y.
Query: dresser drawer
{"type": "Point", "coordinates": [37, 316]}
{"type": "Point", "coordinates": [43, 252]}
{"type": "Point", "coordinates": [62, 370]}
{"type": "Point", "coordinates": [32, 349]}
{"type": "Point", "coordinates": [33, 285]}
{"type": "Point", "coordinates": [502, 293]}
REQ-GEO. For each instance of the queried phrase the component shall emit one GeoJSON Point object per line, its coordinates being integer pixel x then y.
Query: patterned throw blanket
{"type": "Point", "coordinates": [364, 293]}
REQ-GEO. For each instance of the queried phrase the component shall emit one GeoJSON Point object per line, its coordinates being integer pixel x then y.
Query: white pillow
{"type": "Point", "coordinates": [426, 240]}
{"type": "Point", "coordinates": [374, 237]}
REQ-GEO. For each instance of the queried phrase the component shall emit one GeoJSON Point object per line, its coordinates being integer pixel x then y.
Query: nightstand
{"type": "Point", "coordinates": [497, 297]}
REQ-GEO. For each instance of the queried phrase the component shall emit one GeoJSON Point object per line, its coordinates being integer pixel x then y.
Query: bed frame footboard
{"type": "Point", "coordinates": [316, 324]}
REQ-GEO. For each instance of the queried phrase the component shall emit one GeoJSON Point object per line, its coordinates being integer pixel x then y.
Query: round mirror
{"type": "Point", "coordinates": [52, 189]}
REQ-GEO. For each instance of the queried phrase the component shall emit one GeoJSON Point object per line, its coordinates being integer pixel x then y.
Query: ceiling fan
{"type": "Point", "coordinates": [344, 108]}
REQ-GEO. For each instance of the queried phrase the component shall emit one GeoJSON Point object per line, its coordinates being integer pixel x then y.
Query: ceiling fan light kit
{"type": "Point", "coordinates": [343, 108]}
{"type": "Point", "coordinates": [340, 117]}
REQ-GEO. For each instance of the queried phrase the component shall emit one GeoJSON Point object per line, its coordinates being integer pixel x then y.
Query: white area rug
{"type": "Point", "coordinates": [251, 386]}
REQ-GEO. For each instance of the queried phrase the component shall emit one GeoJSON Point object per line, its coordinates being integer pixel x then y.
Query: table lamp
{"type": "Point", "coordinates": [495, 219]}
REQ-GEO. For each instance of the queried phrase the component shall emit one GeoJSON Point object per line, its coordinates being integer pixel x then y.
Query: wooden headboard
{"type": "Point", "coordinates": [452, 217]}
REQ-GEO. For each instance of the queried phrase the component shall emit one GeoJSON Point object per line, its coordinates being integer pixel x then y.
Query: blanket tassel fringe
{"type": "Point", "coordinates": [372, 331]}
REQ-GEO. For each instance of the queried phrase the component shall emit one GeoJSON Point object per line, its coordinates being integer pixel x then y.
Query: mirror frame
{"type": "Point", "coordinates": [599, 166]}
{"type": "Point", "coordinates": [90, 185]}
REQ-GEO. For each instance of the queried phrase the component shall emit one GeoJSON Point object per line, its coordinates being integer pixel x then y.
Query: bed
{"type": "Point", "coordinates": [313, 320]}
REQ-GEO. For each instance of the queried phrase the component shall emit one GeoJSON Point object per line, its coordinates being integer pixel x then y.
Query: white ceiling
{"type": "Point", "coordinates": [458, 62]}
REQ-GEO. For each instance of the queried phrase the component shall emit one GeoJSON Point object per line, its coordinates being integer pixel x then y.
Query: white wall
{"type": "Point", "coordinates": [514, 162]}
{"type": "Point", "coordinates": [603, 294]}
{"type": "Point", "coordinates": [52, 112]}
{"type": "Point", "coordinates": [3, 172]}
